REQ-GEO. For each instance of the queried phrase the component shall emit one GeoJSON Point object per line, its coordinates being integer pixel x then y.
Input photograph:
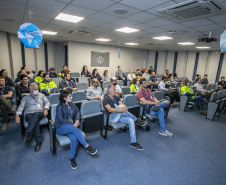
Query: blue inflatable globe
{"type": "Point", "coordinates": [30, 35]}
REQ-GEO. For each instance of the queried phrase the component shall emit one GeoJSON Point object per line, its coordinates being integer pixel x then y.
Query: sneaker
{"type": "Point", "coordinates": [91, 150]}
{"type": "Point", "coordinates": [38, 146]}
{"type": "Point", "coordinates": [4, 127]}
{"type": "Point", "coordinates": [166, 133]}
{"type": "Point", "coordinates": [202, 112]}
{"type": "Point", "coordinates": [137, 146]}
{"type": "Point", "coordinates": [73, 163]}
{"type": "Point", "coordinates": [25, 138]}
{"type": "Point", "coordinates": [141, 123]}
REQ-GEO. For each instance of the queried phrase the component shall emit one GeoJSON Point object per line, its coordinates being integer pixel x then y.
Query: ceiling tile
{"type": "Point", "coordinates": [47, 5]}
{"type": "Point", "coordinates": [218, 18]}
{"type": "Point", "coordinates": [10, 6]}
{"type": "Point", "coordinates": [209, 28]}
{"type": "Point", "coordinates": [197, 22]}
{"type": "Point", "coordinates": [160, 22]}
{"type": "Point", "coordinates": [124, 22]}
{"type": "Point", "coordinates": [103, 17]}
{"type": "Point", "coordinates": [37, 18]}
{"type": "Point", "coordinates": [17, 1]}
{"type": "Point", "coordinates": [142, 17]}
{"type": "Point", "coordinates": [142, 26]}
{"type": "Point", "coordinates": [144, 4]}
{"type": "Point", "coordinates": [174, 27]}
{"type": "Point", "coordinates": [10, 15]}
{"type": "Point", "coordinates": [78, 11]}
{"type": "Point", "coordinates": [111, 9]}
{"type": "Point", "coordinates": [43, 13]}
{"type": "Point", "coordinates": [94, 5]}
{"type": "Point", "coordinates": [90, 23]}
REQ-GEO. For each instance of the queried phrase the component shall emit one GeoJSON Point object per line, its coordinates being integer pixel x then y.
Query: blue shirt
{"type": "Point", "coordinates": [153, 78]}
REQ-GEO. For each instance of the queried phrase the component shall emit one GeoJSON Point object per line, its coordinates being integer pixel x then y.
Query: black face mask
{"type": "Point", "coordinates": [115, 83]}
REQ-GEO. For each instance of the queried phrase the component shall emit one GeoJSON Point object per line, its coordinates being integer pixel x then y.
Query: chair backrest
{"type": "Point", "coordinates": [82, 86]}
{"type": "Point", "coordinates": [128, 83]}
{"type": "Point", "coordinates": [159, 79]}
{"type": "Point", "coordinates": [56, 81]}
{"type": "Point", "coordinates": [225, 93]}
{"type": "Point", "coordinates": [215, 86]}
{"type": "Point", "coordinates": [83, 80]}
{"type": "Point", "coordinates": [209, 86]}
{"type": "Point", "coordinates": [90, 107]}
{"type": "Point", "coordinates": [194, 88]}
{"type": "Point", "coordinates": [173, 85]}
{"type": "Point", "coordinates": [130, 100]}
{"type": "Point", "coordinates": [54, 99]}
{"type": "Point", "coordinates": [178, 84]}
{"type": "Point", "coordinates": [78, 96]}
{"type": "Point", "coordinates": [159, 95]}
{"type": "Point", "coordinates": [125, 90]}
{"type": "Point", "coordinates": [75, 74]}
{"type": "Point", "coordinates": [105, 91]}
{"type": "Point", "coordinates": [214, 96]}
{"type": "Point", "coordinates": [220, 94]}
{"type": "Point", "coordinates": [120, 82]}
{"type": "Point", "coordinates": [205, 86]}
{"type": "Point", "coordinates": [106, 84]}
{"type": "Point", "coordinates": [126, 73]}
{"type": "Point", "coordinates": [53, 113]}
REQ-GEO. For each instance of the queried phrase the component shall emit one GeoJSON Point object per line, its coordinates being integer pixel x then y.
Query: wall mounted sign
{"type": "Point", "coordinates": [99, 59]}
{"type": "Point", "coordinates": [223, 42]}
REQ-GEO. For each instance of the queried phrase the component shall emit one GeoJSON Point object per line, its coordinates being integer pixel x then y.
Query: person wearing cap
{"type": "Point", "coordinates": [205, 80]}
{"type": "Point", "coordinates": [118, 90]}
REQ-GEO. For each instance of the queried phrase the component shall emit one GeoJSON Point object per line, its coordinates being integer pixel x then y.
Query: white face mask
{"type": "Point", "coordinates": [35, 92]}
{"type": "Point", "coordinates": [188, 84]}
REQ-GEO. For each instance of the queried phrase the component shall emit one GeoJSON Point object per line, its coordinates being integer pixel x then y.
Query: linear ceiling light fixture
{"type": "Point", "coordinates": [131, 44]}
{"type": "Point", "coordinates": [103, 40]}
{"type": "Point", "coordinates": [69, 18]}
{"type": "Point", "coordinates": [127, 30]}
{"type": "Point", "coordinates": [186, 43]}
{"type": "Point", "coordinates": [49, 32]}
{"type": "Point", "coordinates": [203, 47]}
{"type": "Point", "coordinates": [162, 38]}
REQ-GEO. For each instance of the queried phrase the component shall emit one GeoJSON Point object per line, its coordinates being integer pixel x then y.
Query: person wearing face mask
{"type": "Point", "coordinates": [94, 92]}
{"type": "Point", "coordinates": [23, 88]}
{"type": "Point", "coordinates": [135, 86]}
{"type": "Point", "coordinates": [150, 70]}
{"type": "Point", "coordinates": [186, 90]}
{"type": "Point", "coordinates": [118, 90]}
{"type": "Point", "coordinates": [47, 86]}
{"type": "Point", "coordinates": [6, 93]}
{"type": "Point", "coordinates": [35, 107]}
{"type": "Point", "coordinates": [39, 76]}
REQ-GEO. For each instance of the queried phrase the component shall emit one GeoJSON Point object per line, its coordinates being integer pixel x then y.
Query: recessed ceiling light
{"type": "Point", "coordinates": [49, 32]}
{"type": "Point", "coordinates": [131, 43]}
{"type": "Point", "coordinates": [127, 30]}
{"type": "Point", "coordinates": [103, 40]}
{"type": "Point", "coordinates": [186, 43]}
{"type": "Point", "coordinates": [162, 38]}
{"type": "Point", "coordinates": [203, 47]}
{"type": "Point", "coordinates": [69, 18]}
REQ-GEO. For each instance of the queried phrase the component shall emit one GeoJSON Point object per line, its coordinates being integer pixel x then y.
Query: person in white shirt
{"type": "Point", "coordinates": [146, 75]}
{"type": "Point", "coordinates": [118, 90]}
{"type": "Point", "coordinates": [169, 92]}
{"type": "Point", "coordinates": [131, 75]}
{"type": "Point", "coordinates": [199, 88]}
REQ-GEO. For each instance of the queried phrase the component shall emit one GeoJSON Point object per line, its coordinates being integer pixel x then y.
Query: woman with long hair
{"type": "Point", "coordinates": [106, 76]}
{"type": "Point", "coordinates": [39, 76]}
{"type": "Point", "coordinates": [85, 72]}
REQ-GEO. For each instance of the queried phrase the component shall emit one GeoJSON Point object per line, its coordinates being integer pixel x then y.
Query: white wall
{"type": "Point", "coordinates": [79, 54]}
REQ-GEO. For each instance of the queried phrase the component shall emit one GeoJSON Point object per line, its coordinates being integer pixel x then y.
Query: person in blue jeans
{"type": "Point", "coordinates": [119, 113]}
{"type": "Point", "coordinates": [146, 97]}
{"type": "Point", "coordinates": [66, 123]}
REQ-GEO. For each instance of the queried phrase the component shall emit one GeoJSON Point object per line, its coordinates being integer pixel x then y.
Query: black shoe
{"type": "Point", "coordinates": [25, 138]}
{"type": "Point", "coordinates": [73, 163]}
{"type": "Point", "coordinates": [91, 150]}
{"type": "Point", "coordinates": [141, 123]}
{"type": "Point", "coordinates": [38, 146]}
{"type": "Point", "coordinates": [137, 146]}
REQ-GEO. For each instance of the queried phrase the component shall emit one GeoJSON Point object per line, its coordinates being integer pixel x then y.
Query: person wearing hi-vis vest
{"type": "Point", "coordinates": [186, 90]}
{"type": "Point", "coordinates": [47, 86]}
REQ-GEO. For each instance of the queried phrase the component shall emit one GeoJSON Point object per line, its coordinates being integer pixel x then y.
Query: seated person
{"type": "Point", "coordinates": [150, 70]}
{"type": "Point", "coordinates": [222, 83]}
{"type": "Point", "coordinates": [138, 74]}
{"type": "Point", "coordinates": [106, 76]}
{"type": "Point", "coordinates": [63, 71]}
{"type": "Point", "coordinates": [135, 86]}
{"type": "Point", "coordinates": [22, 72]}
{"type": "Point", "coordinates": [186, 90]}
{"type": "Point", "coordinates": [67, 123]}
{"type": "Point", "coordinates": [47, 86]}
{"type": "Point", "coordinates": [38, 78]}
{"type": "Point", "coordinates": [142, 70]}
{"type": "Point", "coordinates": [94, 92]}
{"type": "Point", "coordinates": [29, 73]}
{"type": "Point", "coordinates": [199, 88]}
{"type": "Point", "coordinates": [119, 113]}
{"type": "Point", "coordinates": [171, 79]}
{"type": "Point", "coordinates": [96, 75]}
{"type": "Point", "coordinates": [146, 75]}
{"type": "Point", "coordinates": [198, 76]}
{"type": "Point", "coordinates": [131, 76]}
{"type": "Point", "coordinates": [6, 93]}
{"type": "Point", "coordinates": [68, 71]}
{"type": "Point", "coordinates": [35, 107]}
{"type": "Point", "coordinates": [118, 90]}
{"type": "Point", "coordinates": [52, 73]}
{"type": "Point", "coordinates": [120, 75]}
{"type": "Point", "coordinates": [176, 77]}
{"type": "Point", "coordinates": [67, 83]}
{"type": "Point", "coordinates": [85, 72]}
{"type": "Point", "coordinates": [23, 88]}
{"type": "Point", "coordinates": [153, 80]}
{"type": "Point", "coordinates": [8, 81]}
{"type": "Point", "coordinates": [205, 80]}
{"type": "Point", "coordinates": [148, 100]}
{"type": "Point", "coordinates": [173, 94]}
{"type": "Point", "coordinates": [166, 74]}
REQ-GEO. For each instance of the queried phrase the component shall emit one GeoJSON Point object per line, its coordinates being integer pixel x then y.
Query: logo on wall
{"type": "Point", "coordinates": [99, 59]}
{"type": "Point", "coordinates": [30, 35]}
{"type": "Point", "coordinates": [223, 42]}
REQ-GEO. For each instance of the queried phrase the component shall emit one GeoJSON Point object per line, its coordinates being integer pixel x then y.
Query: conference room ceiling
{"type": "Point", "coordinates": [101, 21]}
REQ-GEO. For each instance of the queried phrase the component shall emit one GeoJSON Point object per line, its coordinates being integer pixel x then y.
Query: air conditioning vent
{"type": "Point", "coordinates": [193, 9]}
{"type": "Point", "coordinates": [81, 33]}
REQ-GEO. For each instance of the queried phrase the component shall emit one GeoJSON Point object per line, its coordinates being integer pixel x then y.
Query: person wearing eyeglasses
{"type": "Point", "coordinates": [94, 92]}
